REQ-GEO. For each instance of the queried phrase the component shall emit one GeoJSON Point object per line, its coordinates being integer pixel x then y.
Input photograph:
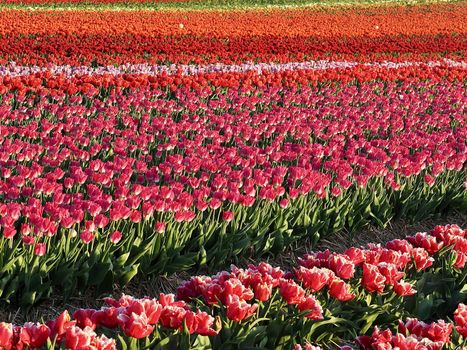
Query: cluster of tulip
{"type": "Point", "coordinates": [266, 305]}
{"type": "Point", "coordinates": [136, 318]}
{"type": "Point", "coordinates": [159, 181]}
{"type": "Point", "coordinates": [60, 81]}
{"type": "Point", "coordinates": [415, 334]}
{"type": "Point", "coordinates": [139, 144]}
{"type": "Point", "coordinates": [78, 37]}
{"type": "Point", "coordinates": [55, 48]}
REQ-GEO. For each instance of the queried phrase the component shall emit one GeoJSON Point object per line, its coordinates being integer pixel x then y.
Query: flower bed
{"type": "Point", "coordinates": [108, 183]}
{"type": "Point", "coordinates": [143, 143]}
{"type": "Point", "coordinates": [328, 297]}
{"type": "Point", "coordinates": [78, 37]}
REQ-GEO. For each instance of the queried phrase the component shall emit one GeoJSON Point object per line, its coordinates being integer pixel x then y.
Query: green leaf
{"type": "Point", "coordinates": [129, 274]}
{"type": "Point", "coordinates": [122, 342]}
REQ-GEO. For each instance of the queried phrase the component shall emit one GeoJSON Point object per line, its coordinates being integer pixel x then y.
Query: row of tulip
{"type": "Point", "coordinates": [177, 4]}
{"type": "Point", "coordinates": [414, 334]}
{"type": "Point", "coordinates": [430, 19]}
{"type": "Point", "coordinates": [250, 81]}
{"type": "Point", "coordinates": [43, 49]}
{"type": "Point", "coordinates": [103, 38]}
{"type": "Point", "coordinates": [97, 189]}
{"type": "Point", "coordinates": [340, 295]}
{"type": "Point", "coordinates": [13, 70]}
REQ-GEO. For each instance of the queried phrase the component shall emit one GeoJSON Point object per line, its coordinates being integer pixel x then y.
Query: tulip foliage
{"type": "Point", "coordinates": [328, 297]}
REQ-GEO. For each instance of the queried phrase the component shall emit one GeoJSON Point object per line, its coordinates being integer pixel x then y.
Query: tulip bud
{"type": "Point", "coordinates": [40, 249]}
{"type": "Point", "coordinates": [115, 237]}
{"type": "Point", "coordinates": [227, 216]}
{"type": "Point", "coordinates": [284, 203]}
{"type": "Point", "coordinates": [160, 227]}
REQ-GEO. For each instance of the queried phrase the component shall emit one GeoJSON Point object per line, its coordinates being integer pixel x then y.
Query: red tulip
{"type": "Point", "coordinates": [372, 280]}
{"type": "Point", "coordinates": [234, 286]}
{"type": "Point", "coordinates": [59, 326]}
{"type": "Point", "coordinates": [284, 203]}
{"type": "Point", "coordinates": [262, 290]}
{"type": "Point", "coordinates": [77, 338]}
{"type": "Point", "coordinates": [421, 259]}
{"type": "Point", "coordinates": [356, 255]}
{"type": "Point", "coordinates": [84, 318]}
{"type": "Point", "coordinates": [6, 336]}
{"type": "Point", "coordinates": [37, 335]}
{"type": "Point", "coordinates": [160, 227]}
{"type": "Point", "coordinates": [340, 290]}
{"type": "Point", "coordinates": [172, 316]}
{"type": "Point", "coordinates": [343, 267]}
{"type": "Point", "coordinates": [237, 309]}
{"type": "Point", "coordinates": [390, 273]}
{"type": "Point", "coordinates": [9, 232]}
{"type": "Point", "coordinates": [87, 237]}
{"type": "Point", "coordinates": [40, 249]}
{"type": "Point", "coordinates": [292, 293]}
{"type": "Point", "coordinates": [135, 326]}
{"type": "Point", "coordinates": [106, 317]}
{"type": "Point", "coordinates": [404, 289]}
{"type": "Point", "coordinates": [200, 323]}
{"type": "Point", "coordinates": [310, 303]}
{"type": "Point", "coordinates": [115, 237]}
{"type": "Point", "coordinates": [460, 319]}
{"type": "Point", "coordinates": [227, 216]}
{"type": "Point", "coordinates": [315, 278]}
{"type": "Point", "coordinates": [424, 240]}
{"type": "Point", "coordinates": [150, 307]}
{"type": "Point", "coordinates": [461, 260]}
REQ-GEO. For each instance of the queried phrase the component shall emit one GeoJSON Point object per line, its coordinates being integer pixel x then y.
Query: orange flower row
{"type": "Point", "coordinates": [369, 22]}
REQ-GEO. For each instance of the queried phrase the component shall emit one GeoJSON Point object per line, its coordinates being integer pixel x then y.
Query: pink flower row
{"type": "Point", "coordinates": [58, 173]}
{"type": "Point", "coordinates": [14, 70]}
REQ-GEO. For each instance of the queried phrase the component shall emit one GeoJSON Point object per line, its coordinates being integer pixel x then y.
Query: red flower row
{"type": "Point", "coordinates": [234, 290]}
{"type": "Point", "coordinates": [105, 49]}
{"type": "Point", "coordinates": [415, 334]}
{"type": "Point", "coordinates": [381, 267]}
{"type": "Point", "coordinates": [135, 317]}
{"type": "Point", "coordinates": [67, 177]}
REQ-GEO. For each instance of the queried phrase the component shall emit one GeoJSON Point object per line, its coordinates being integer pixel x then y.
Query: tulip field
{"type": "Point", "coordinates": [142, 139]}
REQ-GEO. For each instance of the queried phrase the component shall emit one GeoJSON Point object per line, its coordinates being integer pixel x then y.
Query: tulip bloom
{"type": "Point", "coordinates": [115, 237]}
{"type": "Point", "coordinates": [372, 280]}
{"type": "Point", "coordinates": [309, 303]}
{"type": "Point", "coordinates": [339, 290]}
{"type": "Point", "coordinates": [460, 318]}
{"type": "Point", "coordinates": [315, 278]}
{"type": "Point", "coordinates": [6, 336]}
{"type": "Point", "coordinates": [227, 216]}
{"type": "Point", "coordinates": [135, 326]}
{"type": "Point", "coordinates": [403, 288]}
{"type": "Point", "coordinates": [237, 309]}
{"type": "Point", "coordinates": [40, 249]}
